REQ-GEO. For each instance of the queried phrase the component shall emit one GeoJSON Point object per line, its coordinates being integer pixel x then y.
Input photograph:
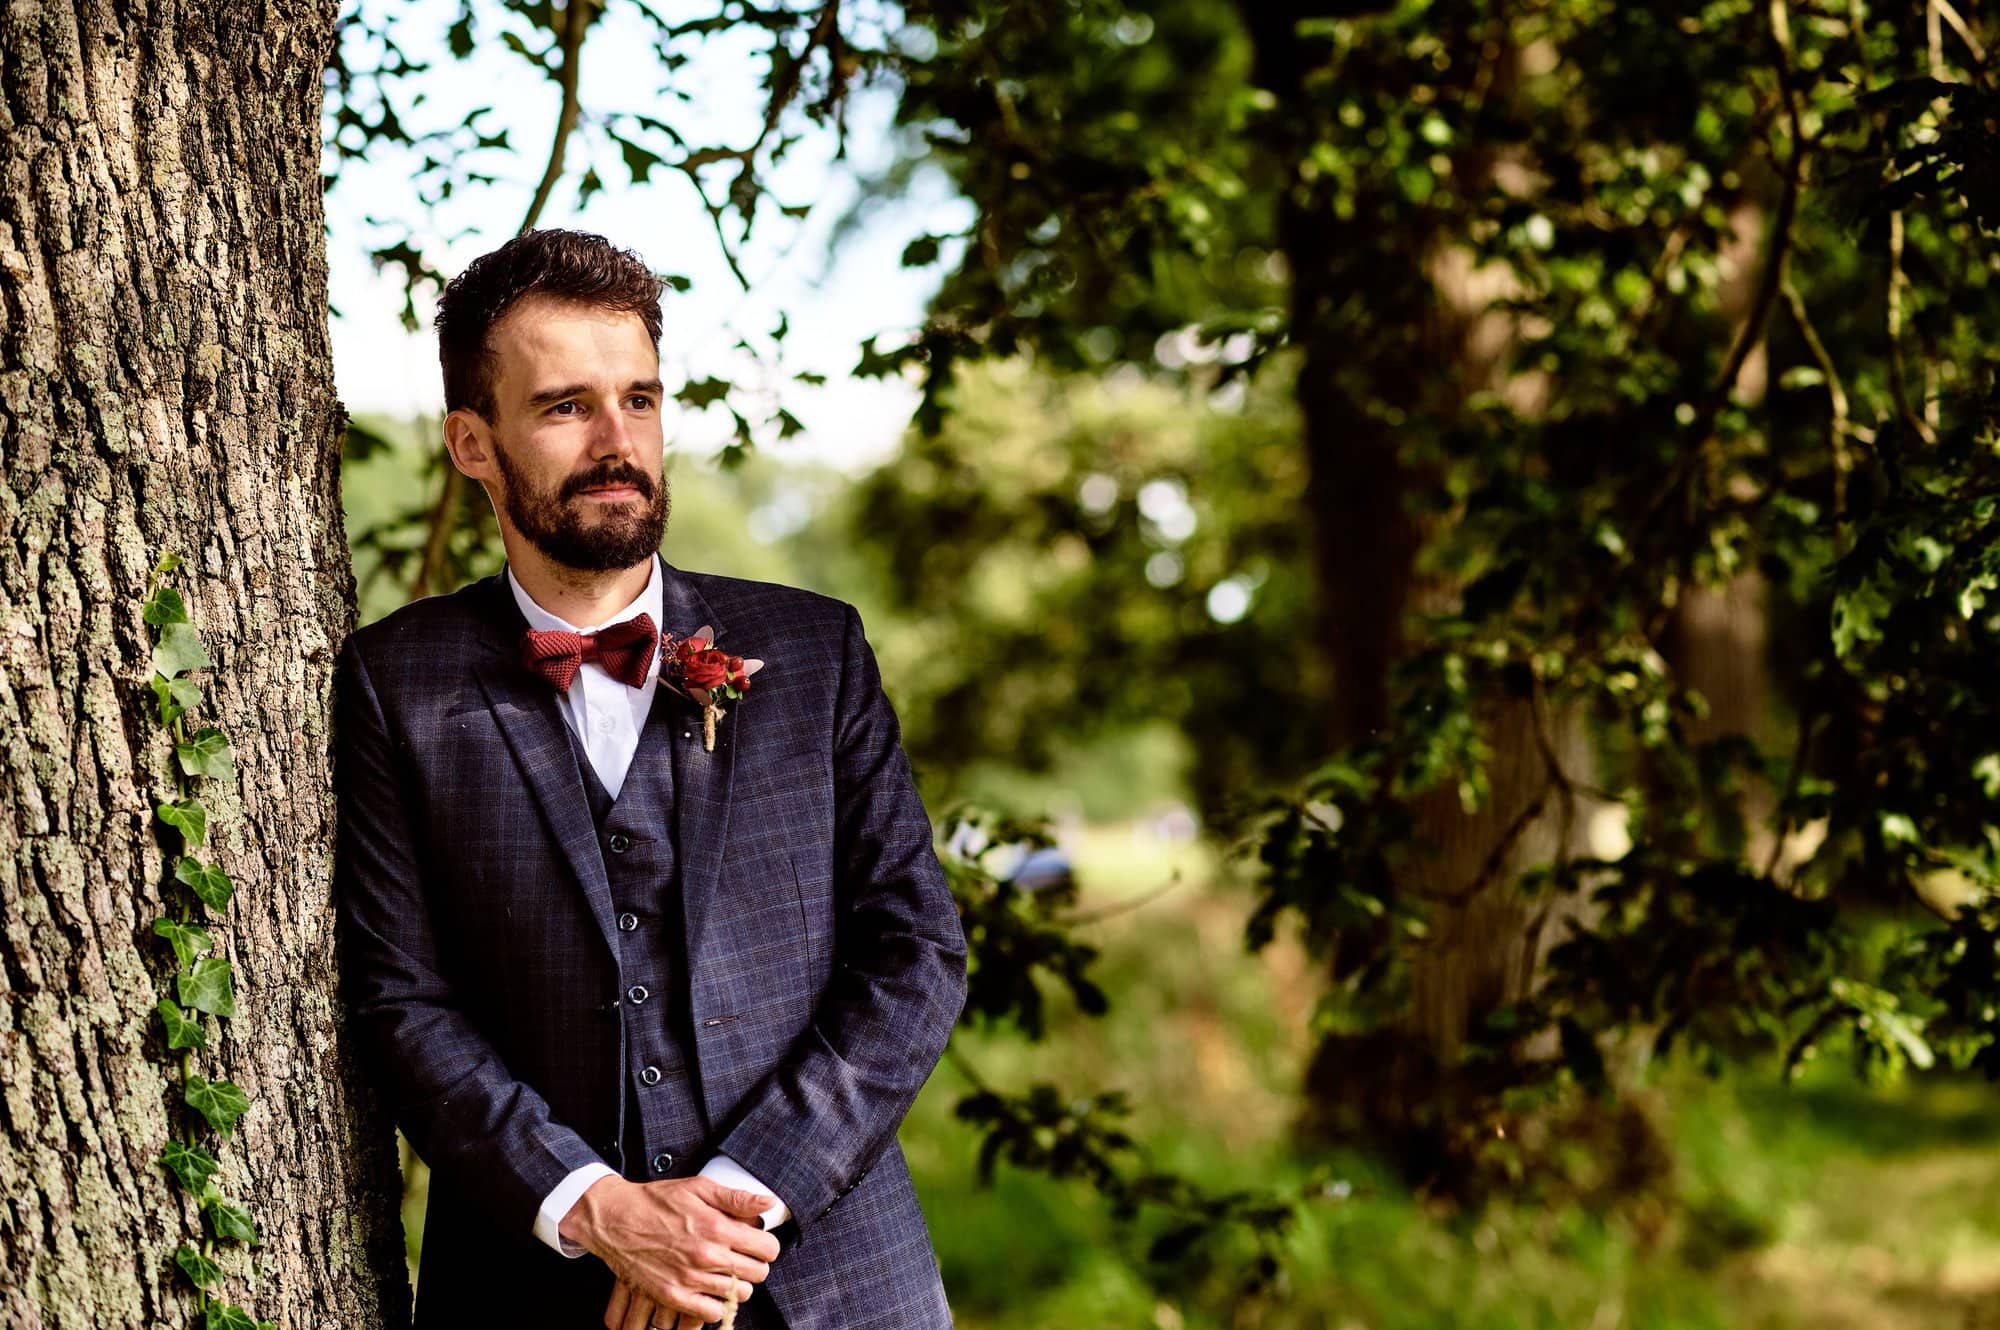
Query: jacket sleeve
{"type": "Point", "coordinates": [812, 1127]}
{"type": "Point", "coordinates": [442, 1081]}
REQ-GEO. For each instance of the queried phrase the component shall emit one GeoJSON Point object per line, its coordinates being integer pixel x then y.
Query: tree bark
{"type": "Point", "coordinates": [166, 385]}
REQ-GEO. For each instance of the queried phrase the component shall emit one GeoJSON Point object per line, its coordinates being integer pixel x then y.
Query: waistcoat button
{"type": "Point", "coordinates": [651, 1076]}
{"type": "Point", "coordinates": [662, 1162]}
{"type": "Point", "coordinates": [619, 842]}
{"type": "Point", "coordinates": [637, 993]}
{"type": "Point", "coordinates": [627, 922]}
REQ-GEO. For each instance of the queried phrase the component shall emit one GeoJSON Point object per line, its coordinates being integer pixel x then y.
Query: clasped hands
{"type": "Point", "coordinates": [676, 1245]}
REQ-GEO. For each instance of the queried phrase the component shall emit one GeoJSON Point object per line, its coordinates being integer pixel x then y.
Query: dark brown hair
{"type": "Point", "coordinates": [569, 265]}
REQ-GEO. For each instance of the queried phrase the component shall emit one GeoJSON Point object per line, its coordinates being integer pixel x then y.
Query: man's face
{"type": "Point", "coordinates": [576, 433]}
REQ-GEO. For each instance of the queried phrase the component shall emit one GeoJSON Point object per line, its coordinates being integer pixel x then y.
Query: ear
{"type": "Point", "coordinates": [469, 440]}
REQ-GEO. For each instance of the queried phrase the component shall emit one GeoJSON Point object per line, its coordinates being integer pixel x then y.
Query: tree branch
{"type": "Point", "coordinates": [576, 17]}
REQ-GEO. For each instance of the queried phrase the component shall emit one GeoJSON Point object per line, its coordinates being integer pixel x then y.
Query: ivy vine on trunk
{"type": "Point", "coordinates": [203, 983]}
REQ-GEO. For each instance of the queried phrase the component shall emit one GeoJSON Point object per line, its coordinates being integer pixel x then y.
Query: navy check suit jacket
{"type": "Point", "coordinates": [824, 958]}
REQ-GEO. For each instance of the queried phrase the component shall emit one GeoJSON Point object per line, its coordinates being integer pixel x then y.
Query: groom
{"type": "Point", "coordinates": [651, 1011]}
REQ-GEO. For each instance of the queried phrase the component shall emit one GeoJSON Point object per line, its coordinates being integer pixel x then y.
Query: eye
{"type": "Point", "coordinates": [568, 408]}
{"type": "Point", "coordinates": [640, 402]}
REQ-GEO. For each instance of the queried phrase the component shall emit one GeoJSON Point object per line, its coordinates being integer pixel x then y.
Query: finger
{"type": "Point", "coordinates": [749, 1239]}
{"type": "Point", "coordinates": [735, 1201]}
{"type": "Point", "coordinates": [697, 1306]}
{"type": "Point", "coordinates": [614, 1310]}
{"type": "Point", "coordinates": [750, 1268]}
{"type": "Point", "coordinates": [639, 1313]}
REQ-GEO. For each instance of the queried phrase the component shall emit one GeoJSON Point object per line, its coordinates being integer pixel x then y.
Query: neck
{"type": "Point", "coordinates": [569, 593]}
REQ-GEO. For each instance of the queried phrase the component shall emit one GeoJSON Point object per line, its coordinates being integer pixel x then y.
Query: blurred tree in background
{"type": "Point", "coordinates": [1642, 393]}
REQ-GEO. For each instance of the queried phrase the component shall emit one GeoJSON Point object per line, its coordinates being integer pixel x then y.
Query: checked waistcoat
{"type": "Point", "coordinates": [663, 1128]}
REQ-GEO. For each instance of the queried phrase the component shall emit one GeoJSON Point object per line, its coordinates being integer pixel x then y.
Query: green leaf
{"type": "Point", "coordinates": [181, 1032]}
{"type": "Point", "coordinates": [165, 607]}
{"type": "Point", "coordinates": [189, 817]}
{"type": "Point", "coordinates": [701, 393]}
{"type": "Point", "coordinates": [188, 940]}
{"type": "Point", "coordinates": [220, 1102]}
{"type": "Point", "coordinates": [167, 563]}
{"type": "Point", "coordinates": [210, 884]}
{"type": "Point", "coordinates": [192, 1164]}
{"type": "Point", "coordinates": [172, 698]}
{"type": "Point", "coordinates": [179, 650]}
{"type": "Point", "coordinates": [200, 1271]}
{"type": "Point", "coordinates": [228, 1221]}
{"type": "Point", "coordinates": [227, 1316]}
{"type": "Point", "coordinates": [208, 988]}
{"type": "Point", "coordinates": [207, 754]}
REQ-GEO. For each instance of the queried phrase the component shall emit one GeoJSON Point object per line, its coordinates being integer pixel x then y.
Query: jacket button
{"type": "Point", "coordinates": [637, 993]}
{"type": "Point", "coordinates": [663, 1162]}
{"type": "Point", "coordinates": [627, 922]}
{"type": "Point", "coordinates": [650, 1076]}
{"type": "Point", "coordinates": [619, 842]}
{"type": "Point", "coordinates": [609, 1150]}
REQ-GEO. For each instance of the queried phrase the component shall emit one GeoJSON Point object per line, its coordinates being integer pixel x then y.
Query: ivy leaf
{"type": "Point", "coordinates": [208, 988]}
{"type": "Point", "coordinates": [220, 1102]}
{"type": "Point", "coordinates": [164, 608]}
{"type": "Point", "coordinates": [181, 1032]}
{"type": "Point", "coordinates": [207, 754]}
{"type": "Point", "coordinates": [201, 1272]}
{"type": "Point", "coordinates": [188, 940]}
{"type": "Point", "coordinates": [210, 884]}
{"type": "Point", "coordinates": [227, 1316]}
{"type": "Point", "coordinates": [172, 698]}
{"type": "Point", "coordinates": [167, 563]}
{"type": "Point", "coordinates": [192, 1164]}
{"type": "Point", "coordinates": [189, 817]}
{"type": "Point", "coordinates": [179, 651]}
{"type": "Point", "coordinates": [230, 1221]}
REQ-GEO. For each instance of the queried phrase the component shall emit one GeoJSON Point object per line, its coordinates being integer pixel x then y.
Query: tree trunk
{"type": "Point", "coordinates": [166, 386]}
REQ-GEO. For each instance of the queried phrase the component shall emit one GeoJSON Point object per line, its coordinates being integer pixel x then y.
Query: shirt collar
{"type": "Point", "coordinates": [648, 602]}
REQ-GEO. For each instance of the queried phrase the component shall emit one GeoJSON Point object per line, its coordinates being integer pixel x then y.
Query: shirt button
{"type": "Point", "coordinates": [628, 921]}
{"type": "Point", "coordinates": [662, 1162]}
{"type": "Point", "coordinates": [637, 993]}
{"type": "Point", "coordinates": [619, 842]}
{"type": "Point", "coordinates": [650, 1076]}
{"type": "Point", "coordinates": [604, 724]}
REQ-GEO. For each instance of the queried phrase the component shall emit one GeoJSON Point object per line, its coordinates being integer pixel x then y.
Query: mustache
{"type": "Point", "coordinates": [609, 475]}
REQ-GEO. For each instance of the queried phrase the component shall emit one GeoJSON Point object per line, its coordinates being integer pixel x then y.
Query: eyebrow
{"type": "Point", "coordinates": [548, 396]}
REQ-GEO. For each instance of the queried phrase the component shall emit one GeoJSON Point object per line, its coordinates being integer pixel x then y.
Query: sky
{"type": "Point", "coordinates": [833, 301]}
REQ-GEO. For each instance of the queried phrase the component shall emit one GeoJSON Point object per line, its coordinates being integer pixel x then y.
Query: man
{"type": "Point", "coordinates": [629, 995]}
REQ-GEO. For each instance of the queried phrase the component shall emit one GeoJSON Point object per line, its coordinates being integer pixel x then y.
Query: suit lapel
{"type": "Point", "coordinates": [701, 778]}
{"type": "Point", "coordinates": [526, 710]}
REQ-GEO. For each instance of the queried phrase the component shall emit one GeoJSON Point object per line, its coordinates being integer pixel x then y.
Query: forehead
{"type": "Point", "coordinates": [542, 340]}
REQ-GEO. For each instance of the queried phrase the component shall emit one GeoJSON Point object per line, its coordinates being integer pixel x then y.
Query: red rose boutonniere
{"type": "Point", "coordinates": [704, 672]}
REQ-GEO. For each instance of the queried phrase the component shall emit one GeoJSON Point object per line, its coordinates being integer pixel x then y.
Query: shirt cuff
{"type": "Point", "coordinates": [732, 1174]}
{"type": "Point", "coordinates": [557, 1203]}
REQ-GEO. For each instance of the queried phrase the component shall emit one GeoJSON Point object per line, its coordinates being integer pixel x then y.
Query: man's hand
{"type": "Point", "coordinates": [629, 1310]}
{"type": "Point", "coordinates": [677, 1243]}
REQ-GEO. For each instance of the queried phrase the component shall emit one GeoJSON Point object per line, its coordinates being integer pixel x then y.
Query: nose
{"type": "Point", "coordinates": [611, 436]}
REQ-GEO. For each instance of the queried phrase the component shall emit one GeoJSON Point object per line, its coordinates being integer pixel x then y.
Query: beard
{"type": "Point", "coordinates": [553, 520]}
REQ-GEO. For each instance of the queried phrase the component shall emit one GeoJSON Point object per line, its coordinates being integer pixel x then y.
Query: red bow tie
{"type": "Point", "coordinates": [625, 650]}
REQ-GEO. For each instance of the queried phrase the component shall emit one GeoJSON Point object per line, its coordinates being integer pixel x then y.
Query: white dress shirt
{"type": "Point", "coordinates": [608, 714]}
